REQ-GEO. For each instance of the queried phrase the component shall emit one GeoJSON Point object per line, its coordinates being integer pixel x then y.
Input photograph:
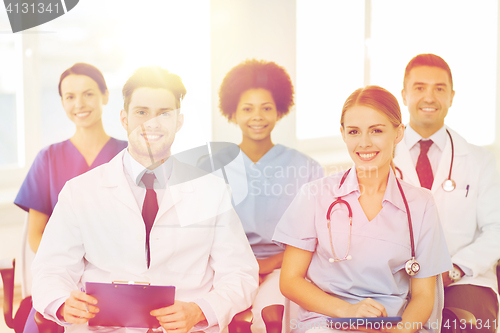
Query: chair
{"type": "Point", "coordinates": [458, 316]}
{"type": "Point", "coordinates": [438, 315]}
{"type": "Point", "coordinates": [498, 274]}
{"type": "Point", "coordinates": [17, 321]}
{"type": "Point", "coordinates": [241, 322]}
{"type": "Point", "coordinates": [47, 326]}
{"type": "Point", "coordinates": [27, 256]}
{"type": "Point", "coordinates": [8, 271]}
{"type": "Point", "coordinates": [273, 318]}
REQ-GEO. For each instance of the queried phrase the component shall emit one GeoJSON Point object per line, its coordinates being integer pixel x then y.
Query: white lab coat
{"type": "Point", "coordinates": [197, 243]}
{"type": "Point", "coordinates": [470, 217]}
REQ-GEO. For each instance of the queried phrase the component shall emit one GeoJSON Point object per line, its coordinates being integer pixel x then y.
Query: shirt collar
{"type": "Point", "coordinates": [392, 193]}
{"type": "Point", "coordinates": [350, 183]}
{"type": "Point", "coordinates": [136, 170]}
{"type": "Point", "coordinates": [438, 138]}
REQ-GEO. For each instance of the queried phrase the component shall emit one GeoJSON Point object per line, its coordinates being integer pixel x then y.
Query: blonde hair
{"type": "Point", "coordinates": [376, 98]}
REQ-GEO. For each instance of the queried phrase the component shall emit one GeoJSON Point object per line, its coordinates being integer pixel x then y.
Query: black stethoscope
{"type": "Point", "coordinates": [449, 184]}
{"type": "Point", "coordinates": [412, 267]}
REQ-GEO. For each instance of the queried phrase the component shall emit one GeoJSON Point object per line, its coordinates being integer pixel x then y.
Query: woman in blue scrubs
{"type": "Point", "coordinates": [370, 279]}
{"type": "Point", "coordinates": [255, 95]}
{"type": "Point", "coordinates": [83, 94]}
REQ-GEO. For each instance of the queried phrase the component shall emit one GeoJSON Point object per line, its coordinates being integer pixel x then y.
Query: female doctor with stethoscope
{"type": "Point", "coordinates": [358, 242]}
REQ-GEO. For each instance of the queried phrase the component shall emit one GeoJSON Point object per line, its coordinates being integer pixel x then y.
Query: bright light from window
{"type": "Point", "coordinates": [330, 56]}
{"type": "Point", "coordinates": [176, 36]}
{"type": "Point", "coordinates": [463, 33]}
{"type": "Point", "coordinates": [118, 39]}
{"type": "Point", "coordinates": [11, 102]}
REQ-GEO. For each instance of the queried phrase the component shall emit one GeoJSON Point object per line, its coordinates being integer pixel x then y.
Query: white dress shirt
{"type": "Point", "coordinates": [134, 172]}
{"type": "Point", "coordinates": [412, 139]}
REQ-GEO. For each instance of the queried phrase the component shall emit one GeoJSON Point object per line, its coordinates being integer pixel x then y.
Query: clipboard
{"type": "Point", "coordinates": [128, 305]}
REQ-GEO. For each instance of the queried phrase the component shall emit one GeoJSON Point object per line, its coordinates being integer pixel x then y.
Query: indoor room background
{"type": "Point", "coordinates": [329, 48]}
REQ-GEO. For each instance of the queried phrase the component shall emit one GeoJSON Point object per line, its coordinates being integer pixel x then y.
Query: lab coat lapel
{"type": "Point", "coordinates": [462, 147]}
{"type": "Point", "coordinates": [443, 167]}
{"type": "Point", "coordinates": [179, 189]}
{"type": "Point", "coordinates": [114, 179]}
{"type": "Point", "coordinates": [404, 162]}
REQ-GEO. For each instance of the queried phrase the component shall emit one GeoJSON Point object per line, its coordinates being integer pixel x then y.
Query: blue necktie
{"type": "Point", "coordinates": [424, 170]}
{"type": "Point", "coordinates": [149, 209]}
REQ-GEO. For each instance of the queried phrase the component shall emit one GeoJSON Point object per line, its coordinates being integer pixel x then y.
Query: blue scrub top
{"type": "Point", "coordinates": [53, 167]}
{"type": "Point", "coordinates": [379, 248]}
{"type": "Point", "coordinates": [264, 191]}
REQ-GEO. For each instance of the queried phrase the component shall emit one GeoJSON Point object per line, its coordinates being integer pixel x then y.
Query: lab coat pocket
{"type": "Point", "coordinates": [456, 214]}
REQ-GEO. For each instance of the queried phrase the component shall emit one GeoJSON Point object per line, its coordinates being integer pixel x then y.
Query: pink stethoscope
{"type": "Point", "coordinates": [412, 267]}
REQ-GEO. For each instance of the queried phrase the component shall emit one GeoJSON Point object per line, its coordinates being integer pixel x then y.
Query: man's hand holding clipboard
{"type": "Point", "coordinates": [78, 308]}
{"type": "Point", "coordinates": [130, 304]}
{"type": "Point", "coordinates": [180, 316]}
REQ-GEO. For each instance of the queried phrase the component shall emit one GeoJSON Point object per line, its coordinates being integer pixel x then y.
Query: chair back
{"type": "Point", "coordinates": [17, 321]}
{"type": "Point", "coordinates": [7, 271]}
{"type": "Point", "coordinates": [46, 326]}
{"type": "Point", "coordinates": [27, 256]}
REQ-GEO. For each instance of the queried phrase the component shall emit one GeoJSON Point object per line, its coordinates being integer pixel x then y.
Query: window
{"type": "Point", "coordinates": [175, 36]}
{"type": "Point", "coordinates": [439, 27]}
{"type": "Point", "coordinates": [11, 102]}
{"type": "Point", "coordinates": [117, 39]}
{"type": "Point", "coordinates": [331, 57]}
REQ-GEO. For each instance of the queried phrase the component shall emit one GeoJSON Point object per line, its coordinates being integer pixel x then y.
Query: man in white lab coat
{"type": "Point", "coordinates": [147, 217]}
{"type": "Point", "coordinates": [470, 212]}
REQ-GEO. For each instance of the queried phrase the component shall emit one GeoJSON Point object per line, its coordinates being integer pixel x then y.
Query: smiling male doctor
{"type": "Point", "coordinates": [145, 216]}
{"type": "Point", "coordinates": [470, 213]}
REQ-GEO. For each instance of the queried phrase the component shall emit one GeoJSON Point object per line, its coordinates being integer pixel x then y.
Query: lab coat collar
{"type": "Point", "coordinates": [439, 138]}
{"type": "Point", "coordinates": [403, 161]}
{"type": "Point", "coordinates": [391, 194]}
{"type": "Point", "coordinates": [112, 178]}
{"type": "Point", "coordinates": [462, 147]}
{"type": "Point", "coordinates": [136, 170]}
{"type": "Point", "coordinates": [178, 183]}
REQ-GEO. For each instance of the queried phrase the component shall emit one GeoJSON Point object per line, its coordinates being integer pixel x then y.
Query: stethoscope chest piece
{"type": "Point", "coordinates": [412, 267]}
{"type": "Point", "coordinates": [449, 185]}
